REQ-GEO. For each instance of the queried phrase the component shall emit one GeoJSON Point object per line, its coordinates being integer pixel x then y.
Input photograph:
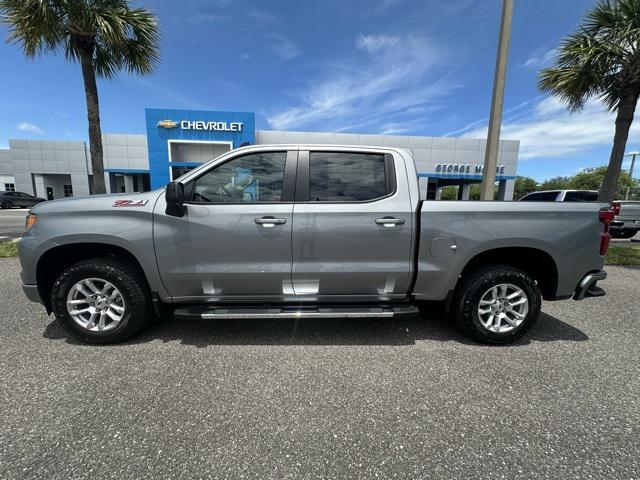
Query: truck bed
{"type": "Point", "coordinates": [453, 233]}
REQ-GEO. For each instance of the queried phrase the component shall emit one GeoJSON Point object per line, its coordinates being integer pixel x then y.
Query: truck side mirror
{"type": "Point", "coordinates": [174, 197]}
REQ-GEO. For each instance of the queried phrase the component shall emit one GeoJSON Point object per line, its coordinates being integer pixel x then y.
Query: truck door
{"type": "Point", "coordinates": [352, 225]}
{"type": "Point", "coordinates": [234, 242]}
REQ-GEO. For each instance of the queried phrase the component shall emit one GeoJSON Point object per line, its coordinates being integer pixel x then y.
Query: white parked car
{"type": "Point", "coordinates": [626, 223]}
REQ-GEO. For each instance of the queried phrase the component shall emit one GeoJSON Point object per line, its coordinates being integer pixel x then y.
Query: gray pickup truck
{"type": "Point", "coordinates": [306, 231]}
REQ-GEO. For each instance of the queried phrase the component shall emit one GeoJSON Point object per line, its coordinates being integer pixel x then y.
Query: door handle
{"type": "Point", "coordinates": [389, 222]}
{"type": "Point", "coordinates": [269, 222]}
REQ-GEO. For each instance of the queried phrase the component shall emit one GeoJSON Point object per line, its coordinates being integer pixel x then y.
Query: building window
{"type": "Point", "coordinates": [9, 187]}
{"type": "Point", "coordinates": [68, 190]}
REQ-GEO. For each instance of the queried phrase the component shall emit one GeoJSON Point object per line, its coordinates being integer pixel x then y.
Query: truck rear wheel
{"type": "Point", "coordinates": [101, 300]}
{"type": "Point", "coordinates": [496, 304]}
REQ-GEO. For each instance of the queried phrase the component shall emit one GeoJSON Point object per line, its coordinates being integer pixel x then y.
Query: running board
{"type": "Point", "coordinates": [295, 312]}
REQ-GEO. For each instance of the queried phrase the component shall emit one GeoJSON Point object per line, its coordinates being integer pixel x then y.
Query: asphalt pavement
{"type": "Point", "coordinates": [316, 399]}
{"type": "Point", "coordinates": [12, 223]}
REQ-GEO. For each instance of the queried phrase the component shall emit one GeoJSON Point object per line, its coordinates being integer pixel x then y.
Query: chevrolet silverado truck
{"type": "Point", "coordinates": [306, 231]}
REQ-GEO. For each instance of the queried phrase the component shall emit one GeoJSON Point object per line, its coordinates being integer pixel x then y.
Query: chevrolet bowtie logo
{"type": "Point", "coordinates": [167, 124]}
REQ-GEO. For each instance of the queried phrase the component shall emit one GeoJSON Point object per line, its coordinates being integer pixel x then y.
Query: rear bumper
{"type": "Point", "coordinates": [31, 291]}
{"type": "Point", "coordinates": [624, 224]}
{"type": "Point", "coordinates": [587, 286]}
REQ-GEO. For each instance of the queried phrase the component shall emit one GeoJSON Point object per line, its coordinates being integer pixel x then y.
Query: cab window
{"type": "Point", "coordinates": [540, 197]}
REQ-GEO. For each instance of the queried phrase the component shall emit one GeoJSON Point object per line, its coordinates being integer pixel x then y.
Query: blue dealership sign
{"type": "Point", "coordinates": [163, 126]}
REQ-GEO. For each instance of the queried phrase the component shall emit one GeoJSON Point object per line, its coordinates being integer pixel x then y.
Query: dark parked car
{"type": "Point", "coordinates": [18, 199]}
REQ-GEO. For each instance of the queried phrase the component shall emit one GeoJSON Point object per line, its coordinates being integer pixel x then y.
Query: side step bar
{"type": "Point", "coordinates": [208, 313]}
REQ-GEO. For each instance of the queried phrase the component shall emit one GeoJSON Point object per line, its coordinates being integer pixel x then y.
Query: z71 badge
{"type": "Point", "coordinates": [130, 203]}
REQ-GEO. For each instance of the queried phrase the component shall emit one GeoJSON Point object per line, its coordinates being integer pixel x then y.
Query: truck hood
{"type": "Point", "coordinates": [144, 200]}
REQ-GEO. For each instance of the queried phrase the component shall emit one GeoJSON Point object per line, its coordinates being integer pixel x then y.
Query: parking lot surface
{"type": "Point", "coordinates": [317, 399]}
{"type": "Point", "coordinates": [12, 223]}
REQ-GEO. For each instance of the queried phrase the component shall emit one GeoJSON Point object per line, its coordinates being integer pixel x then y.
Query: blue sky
{"type": "Point", "coordinates": [367, 66]}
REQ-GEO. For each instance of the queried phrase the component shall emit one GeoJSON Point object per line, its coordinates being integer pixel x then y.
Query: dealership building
{"type": "Point", "coordinates": [179, 140]}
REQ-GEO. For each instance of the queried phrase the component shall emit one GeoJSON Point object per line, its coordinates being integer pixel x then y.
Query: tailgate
{"type": "Point", "coordinates": [629, 211]}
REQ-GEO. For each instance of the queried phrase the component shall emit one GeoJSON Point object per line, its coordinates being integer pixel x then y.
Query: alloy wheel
{"type": "Point", "coordinates": [503, 308]}
{"type": "Point", "coordinates": [95, 304]}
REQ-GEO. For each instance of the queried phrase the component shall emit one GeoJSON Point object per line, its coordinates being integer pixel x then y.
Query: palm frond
{"type": "Point", "coordinates": [115, 36]}
{"type": "Point", "coordinates": [601, 60]}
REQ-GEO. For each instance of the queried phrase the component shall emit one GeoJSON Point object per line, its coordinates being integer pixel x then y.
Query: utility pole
{"type": "Point", "coordinates": [495, 118]}
{"type": "Point", "coordinates": [633, 156]}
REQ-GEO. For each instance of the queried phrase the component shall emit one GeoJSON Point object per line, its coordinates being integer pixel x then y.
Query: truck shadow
{"type": "Point", "coordinates": [394, 332]}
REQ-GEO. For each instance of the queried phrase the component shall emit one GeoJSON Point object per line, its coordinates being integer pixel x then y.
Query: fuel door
{"type": "Point", "coordinates": [443, 247]}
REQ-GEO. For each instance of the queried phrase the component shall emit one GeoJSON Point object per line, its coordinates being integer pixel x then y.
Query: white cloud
{"type": "Point", "coordinates": [553, 132]}
{"type": "Point", "coordinates": [540, 58]}
{"type": "Point", "coordinates": [509, 114]}
{"type": "Point", "coordinates": [29, 127]}
{"type": "Point", "coordinates": [284, 48]}
{"type": "Point", "coordinates": [384, 87]}
{"type": "Point", "coordinates": [374, 43]}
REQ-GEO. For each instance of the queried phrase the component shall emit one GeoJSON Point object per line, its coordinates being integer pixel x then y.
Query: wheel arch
{"type": "Point", "coordinates": [536, 262]}
{"type": "Point", "coordinates": [55, 260]}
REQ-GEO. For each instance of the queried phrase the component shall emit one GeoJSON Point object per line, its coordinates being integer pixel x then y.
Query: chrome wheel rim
{"type": "Point", "coordinates": [95, 305]}
{"type": "Point", "coordinates": [503, 308]}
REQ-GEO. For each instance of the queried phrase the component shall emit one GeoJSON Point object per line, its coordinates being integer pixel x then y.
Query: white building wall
{"type": "Point", "coordinates": [47, 157]}
{"type": "Point", "coordinates": [122, 152]}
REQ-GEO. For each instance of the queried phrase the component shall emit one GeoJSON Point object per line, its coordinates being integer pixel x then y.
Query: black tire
{"type": "Point", "coordinates": [126, 279]}
{"type": "Point", "coordinates": [623, 232]}
{"type": "Point", "coordinates": [474, 285]}
{"type": "Point", "coordinates": [7, 204]}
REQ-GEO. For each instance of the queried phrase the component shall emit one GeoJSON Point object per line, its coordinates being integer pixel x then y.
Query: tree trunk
{"type": "Point", "coordinates": [93, 115]}
{"type": "Point", "coordinates": [624, 118]}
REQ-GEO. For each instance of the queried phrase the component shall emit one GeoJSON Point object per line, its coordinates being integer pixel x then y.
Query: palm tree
{"type": "Point", "coordinates": [601, 60]}
{"type": "Point", "coordinates": [104, 36]}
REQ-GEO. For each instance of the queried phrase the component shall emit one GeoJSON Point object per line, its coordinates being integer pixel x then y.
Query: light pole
{"type": "Point", "coordinates": [633, 156]}
{"type": "Point", "coordinates": [495, 118]}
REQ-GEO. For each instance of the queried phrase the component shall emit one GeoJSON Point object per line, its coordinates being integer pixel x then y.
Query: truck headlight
{"type": "Point", "coordinates": [30, 221]}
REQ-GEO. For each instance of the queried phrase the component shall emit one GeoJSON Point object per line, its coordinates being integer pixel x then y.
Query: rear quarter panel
{"type": "Point", "coordinates": [569, 233]}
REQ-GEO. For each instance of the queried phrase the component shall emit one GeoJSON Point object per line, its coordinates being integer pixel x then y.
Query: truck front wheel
{"type": "Point", "coordinates": [101, 300]}
{"type": "Point", "coordinates": [496, 304]}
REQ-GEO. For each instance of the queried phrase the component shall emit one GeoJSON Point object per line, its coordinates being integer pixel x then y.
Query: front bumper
{"type": "Point", "coordinates": [31, 291]}
{"type": "Point", "coordinates": [587, 286]}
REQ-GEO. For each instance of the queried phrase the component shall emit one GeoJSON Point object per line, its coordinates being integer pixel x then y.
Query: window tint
{"type": "Point", "coordinates": [540, 197]}
{"type": "Point", "coordinates": [581, 196]}
{"type": "Point", "coordinates": [346, 177]}
{"type": "Point", "coordinates": [252, 178]}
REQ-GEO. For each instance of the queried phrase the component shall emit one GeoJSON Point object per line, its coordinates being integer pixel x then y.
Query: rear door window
{"type": "Point", "coordinates": [581, 197]}
{"type": "Point", "coordinates": [349, 177]}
